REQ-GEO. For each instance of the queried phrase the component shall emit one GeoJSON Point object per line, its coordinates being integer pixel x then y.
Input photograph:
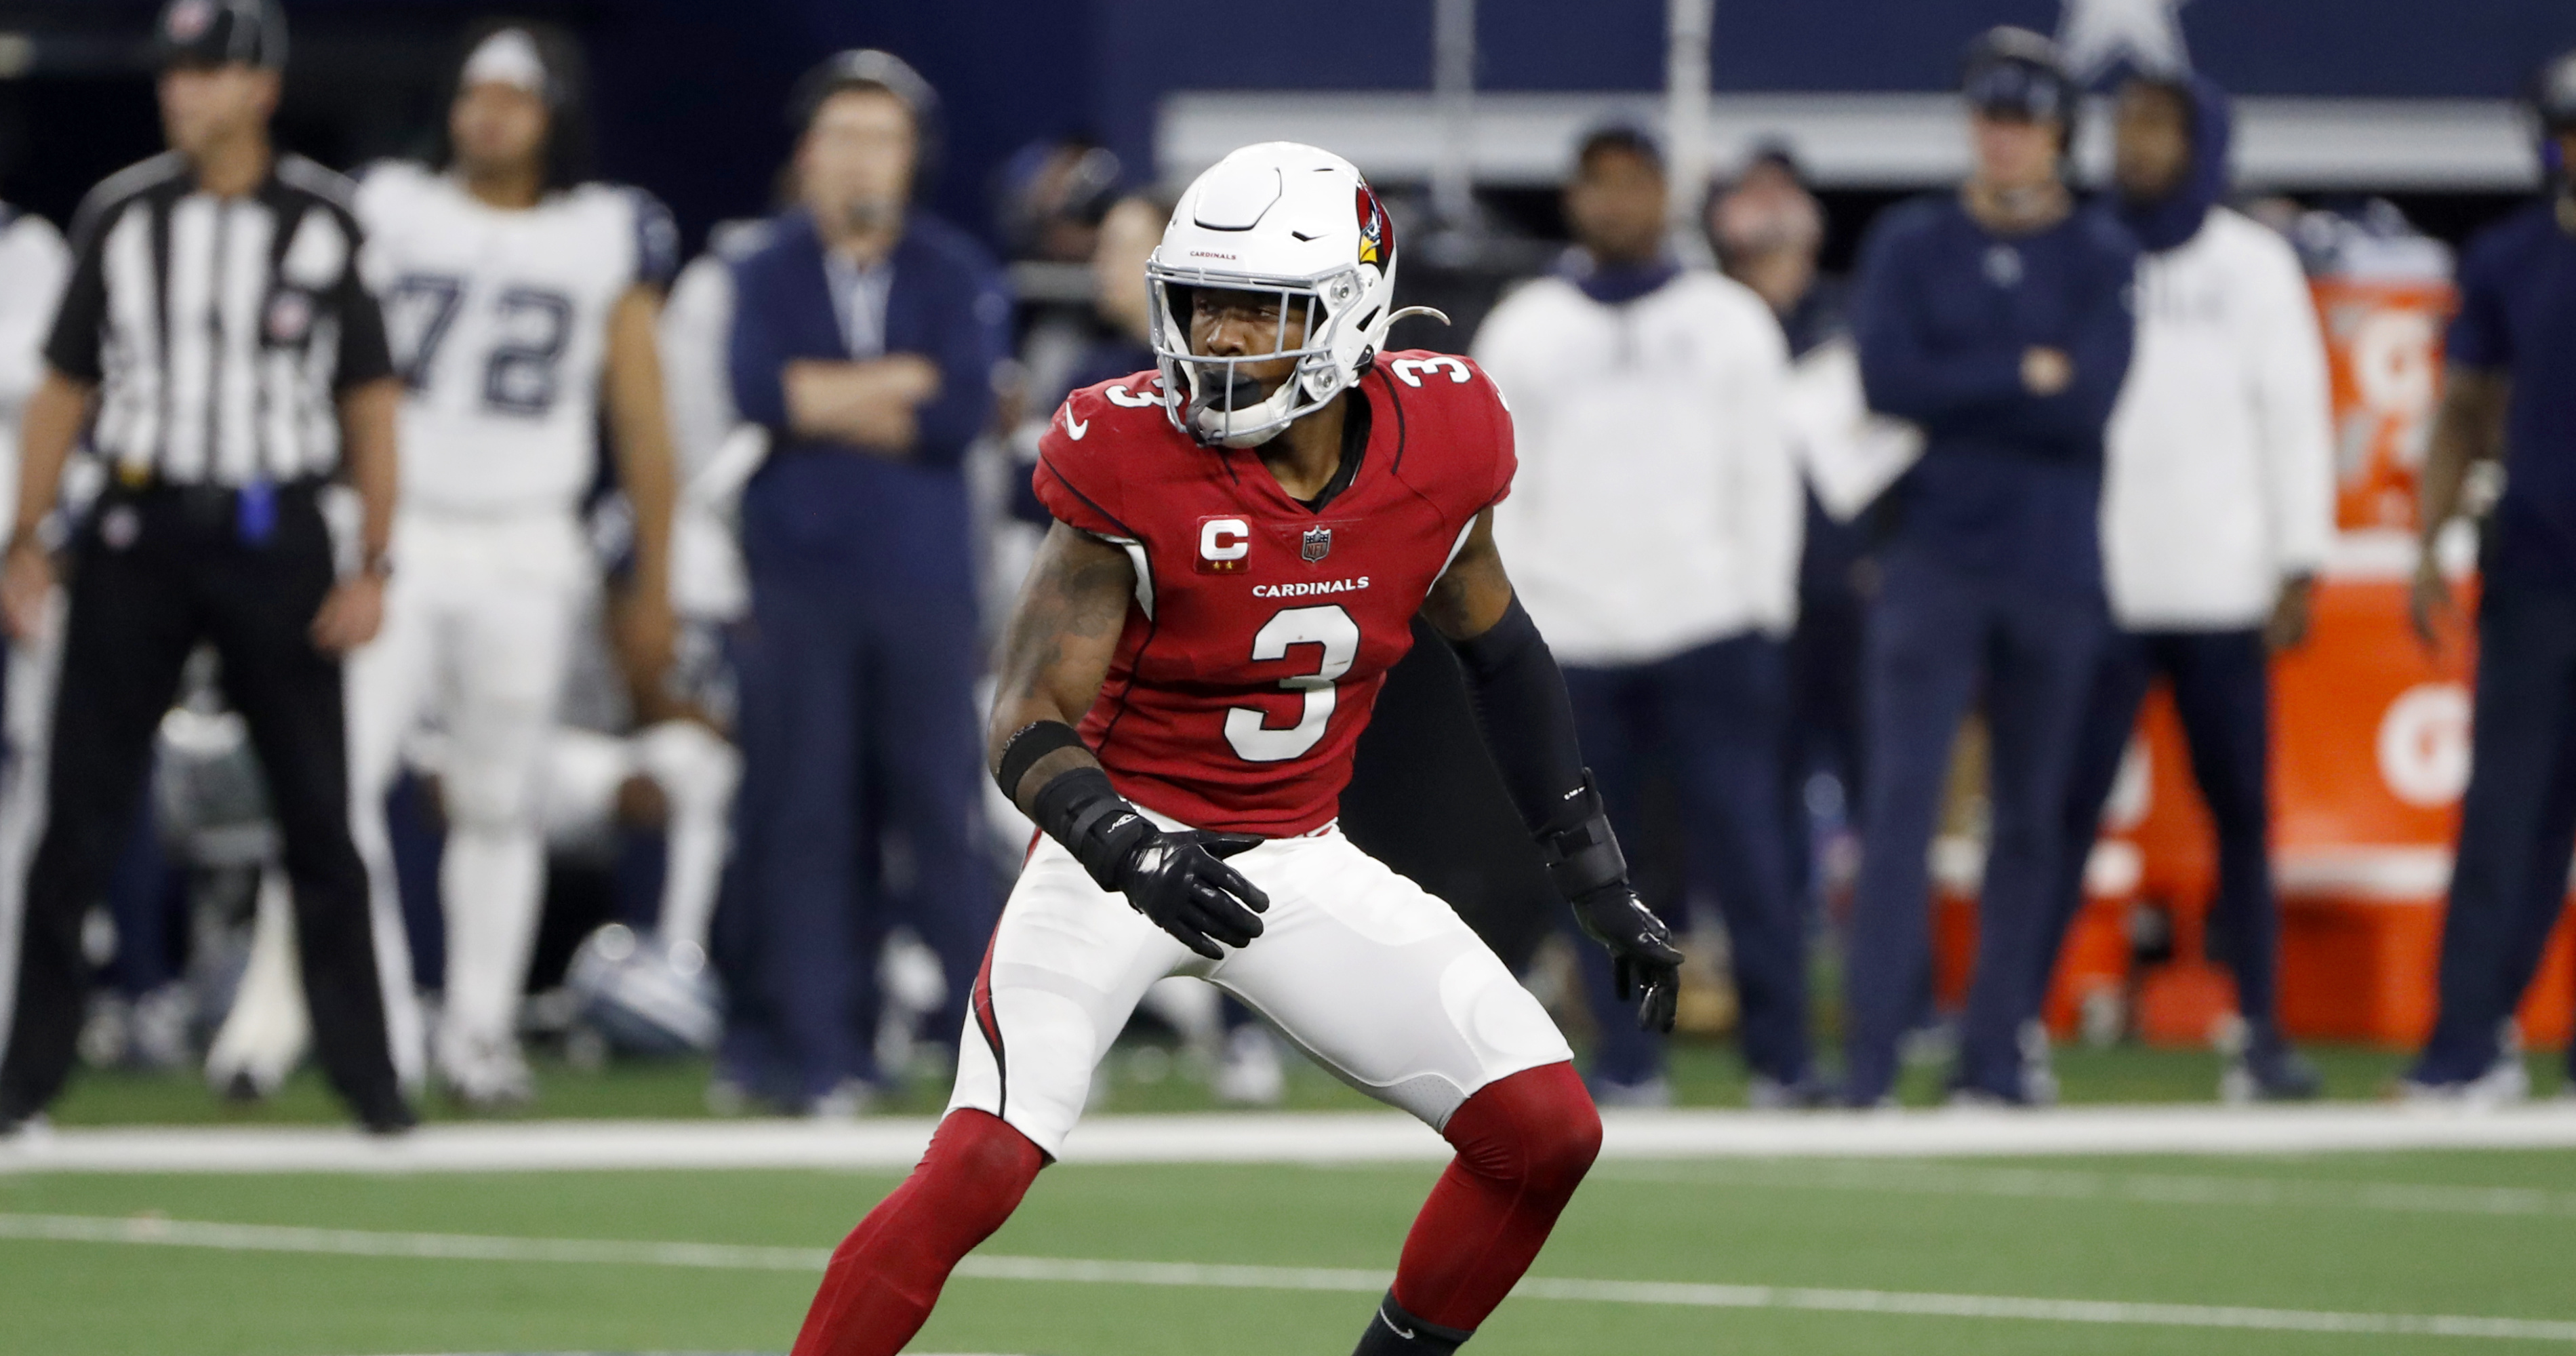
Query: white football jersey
{"type": "Point", "coordinates": [499, 326]}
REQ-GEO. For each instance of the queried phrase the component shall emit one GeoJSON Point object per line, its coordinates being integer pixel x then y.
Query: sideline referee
{"type": "Point", "coordinates": [216, 327]}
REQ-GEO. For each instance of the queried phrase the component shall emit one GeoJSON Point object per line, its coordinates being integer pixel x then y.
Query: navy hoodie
{"type": "Point", "coordinates": [2172, 220]}
{"type": "Point", "coordinates": [2010, 484]}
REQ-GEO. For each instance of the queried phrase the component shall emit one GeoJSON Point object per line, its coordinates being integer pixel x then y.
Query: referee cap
{"type": "Point", "coordinates": [209, 33]}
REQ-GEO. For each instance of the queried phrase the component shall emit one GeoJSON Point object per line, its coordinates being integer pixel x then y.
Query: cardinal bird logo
{"type": "Point", "coordinates": [1377, 236]}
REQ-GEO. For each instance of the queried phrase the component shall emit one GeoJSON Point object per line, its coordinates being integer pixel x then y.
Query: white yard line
{"type": "Point", "coordinates": [1290, 1137]}
{"type": "Point", "coordinates": [1930, 1179]}
{"type": "Point", "coordinates": [157, 1232]}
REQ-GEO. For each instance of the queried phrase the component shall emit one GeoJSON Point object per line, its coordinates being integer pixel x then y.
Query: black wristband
{"type": "Point", "coordinates": [1583, 856]}
{"type": "Point", "coordinates": [1034, 741]}
{"type": "Point", "coordinates": [1080, 809]}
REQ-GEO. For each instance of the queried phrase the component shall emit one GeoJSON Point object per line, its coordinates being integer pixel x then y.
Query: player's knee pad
{"type": "Point", "coordinates": [694, 766]}
{"type": "Point", "coordinates": [491, 799]}
{"type": "Point", "coordinates": [1536, 1127]}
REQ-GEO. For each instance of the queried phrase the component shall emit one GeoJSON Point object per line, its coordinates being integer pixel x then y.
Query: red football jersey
{"type": "Point", "coordinates": [1262, 630]}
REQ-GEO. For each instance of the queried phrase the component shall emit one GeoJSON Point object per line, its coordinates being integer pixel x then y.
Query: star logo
{"type": "Point", "coordinates": [2097, 35]}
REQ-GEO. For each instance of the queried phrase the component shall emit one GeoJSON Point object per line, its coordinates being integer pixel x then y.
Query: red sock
{"type": "Point", "coordinates": [1523, 1144]}
{"type": "Point", "coordinates": [885, 1276]}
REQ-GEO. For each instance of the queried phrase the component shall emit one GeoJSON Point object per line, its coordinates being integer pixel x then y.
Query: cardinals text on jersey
{"type": "Point", "coordinates": [499, 325]}
{"type": "Point", "coordinates": [1262, 628]}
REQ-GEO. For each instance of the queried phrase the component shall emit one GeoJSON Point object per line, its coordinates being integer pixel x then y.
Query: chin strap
{"type": "Point", "coordinates": [1264, 418]}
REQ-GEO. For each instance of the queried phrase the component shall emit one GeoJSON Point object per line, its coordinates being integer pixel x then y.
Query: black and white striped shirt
{"type": "Point", "coordinates": [219, 331]}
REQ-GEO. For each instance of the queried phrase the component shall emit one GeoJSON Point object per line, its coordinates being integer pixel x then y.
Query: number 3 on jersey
{"type": "Point", "coordinates": [1258, 742]}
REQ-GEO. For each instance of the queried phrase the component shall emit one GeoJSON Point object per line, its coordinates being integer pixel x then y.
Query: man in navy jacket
{"type": "Point", "coordinates": [1998, 320]}
{"type": "Point", "coordinates": [2510, 348]}
{"type": "Point", "coordinates": [865, 337]}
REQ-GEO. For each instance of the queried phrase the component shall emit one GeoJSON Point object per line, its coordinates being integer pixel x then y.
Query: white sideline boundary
{"type": "Point", "coordinates": [894, 1144]}
{"type": "Point", "coordinates": [151, 1231]}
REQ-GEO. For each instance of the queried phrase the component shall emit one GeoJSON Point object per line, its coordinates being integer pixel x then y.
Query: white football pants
{"type": "Point", "coordinates": [696, 770]}
{"type": "Point", "coordinates": [478, 626]}
{"type": "Point", "coordinates": [28, 727]}
{"type": "Point", "coordinates": [1371, 974]}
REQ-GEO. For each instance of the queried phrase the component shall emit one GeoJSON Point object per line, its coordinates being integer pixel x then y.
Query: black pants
{"type": "Point", "coordinates": [156, 572]}
{"type": "Point", "coordinates": [1828, 723]}
{"type": "Point", "coordinates": [2517, 826]}
{"type": "Point", "coordinates": [1711, 716]}
{"type": "Point", "coordinates": [1939, 638]}
{"type": "Point", "coordinates": [2222, 690]}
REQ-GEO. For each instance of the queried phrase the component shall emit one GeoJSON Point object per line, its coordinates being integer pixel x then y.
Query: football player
{"type": "Point", "coordinates": [1242, 540]}
{"type": "Point", "coordinates": [34, 264]}
{"type": "Point", "coordinates": [517, 295]}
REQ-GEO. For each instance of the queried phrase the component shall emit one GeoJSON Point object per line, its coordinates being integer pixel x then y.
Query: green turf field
{"type": "Point", "coordinates": [2481, 1235]}
{"type": "Point", "coordinates": [1869, 1256]}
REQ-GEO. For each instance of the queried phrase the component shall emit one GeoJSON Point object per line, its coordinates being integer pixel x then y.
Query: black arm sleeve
{"type": "Point", "coordinates": [1521, 705]}
{"type": "Point", "coordinates": [1527, 719]}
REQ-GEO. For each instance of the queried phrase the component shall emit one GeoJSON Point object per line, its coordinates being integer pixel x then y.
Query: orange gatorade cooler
{"type": "Point", "coordinates": [2384, 355]}
{"type": "Point", "coordinates": [2370, 745]}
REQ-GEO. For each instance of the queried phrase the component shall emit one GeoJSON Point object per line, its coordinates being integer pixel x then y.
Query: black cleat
{"type": "Point", "coordinates": [1393, 1332]}
{"type": "Point", "coordinates": [390, 1121]}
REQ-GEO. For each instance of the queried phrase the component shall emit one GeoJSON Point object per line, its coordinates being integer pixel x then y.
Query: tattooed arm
{"type": "Point", "coordinates": [1056, 650]}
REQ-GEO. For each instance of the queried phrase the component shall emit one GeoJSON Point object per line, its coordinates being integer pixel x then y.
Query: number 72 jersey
{"type": "Point", "coordinates": [1261, 628]}
{"type": "Point", "coordinates": [499, 326]}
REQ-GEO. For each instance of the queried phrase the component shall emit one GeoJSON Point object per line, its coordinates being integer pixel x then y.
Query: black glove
{"type": "Point", "coordinates": [1181, 881]}
{"type": "Point", "coordinates": [1642, 957]}
{"type": "Point", "coordinates": [1584, 861]}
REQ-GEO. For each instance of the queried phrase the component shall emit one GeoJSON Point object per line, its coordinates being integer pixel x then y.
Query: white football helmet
{"type": "Point", "coordinates": [647, 994]}
{"type": "Point", "coordinates": [1288, 219]}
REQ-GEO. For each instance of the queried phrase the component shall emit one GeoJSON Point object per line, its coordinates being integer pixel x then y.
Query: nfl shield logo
{"type": "Point", "coordinates": [1317, 545]}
